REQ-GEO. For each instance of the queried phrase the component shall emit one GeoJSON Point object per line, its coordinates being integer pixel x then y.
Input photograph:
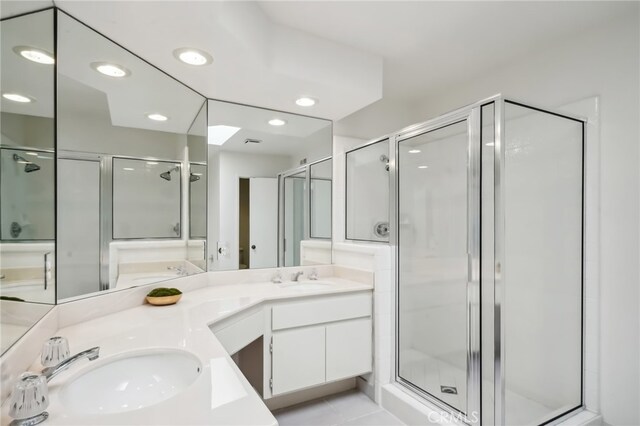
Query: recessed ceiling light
{"type": "Point", "coordinates": [36, 55]}
{"type": "Point", "coordinates": [277, 122]}
{"type": "Point", "coordinates": [110, 70]}
{"type": "Point", "coordinates": [414, 151]}
{"type": "Point", "coordinates": [490, 144]}
{"type": "Point", "coordinates": [423, 167]}
{"type": "Point", "coordinates": [15, 97]}
{"type": "Point", "coordinates": [305, 102]}
{"type": "Point", "coordinates": [218, 135]}
{"type": "Point", "coordinates": [152, 163]}
{"type": "Point", "coordinates": [157, 117]}
{"type": "Point", "coordinates": [129, 169]}
{"type": "Point", "coordinates": [192, 56]}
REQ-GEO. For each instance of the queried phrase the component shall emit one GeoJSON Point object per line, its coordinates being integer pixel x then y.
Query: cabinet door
{"type": "Point", "coordinates": [298, 359]}
{"type": "Point", "coordinates": [348, 349]}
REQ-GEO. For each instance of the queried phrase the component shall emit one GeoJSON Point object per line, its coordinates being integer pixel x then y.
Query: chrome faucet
{"type": "Point", "coordinates": [296, 276]}
{"type": "Point", "coordinates": [91, 354]}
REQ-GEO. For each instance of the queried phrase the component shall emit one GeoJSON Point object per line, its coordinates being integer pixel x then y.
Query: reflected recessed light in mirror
{"type": "Point", "coordinates": [152, 163]}
{"type": "Point", "coordinates": [110, 70]}
{"type": "Point", "coordinates": [306, 102]}
{"type": "Point", "coordinates": [192, 56]}
{"type": "Point", "coordinates": [157, 117]}
{"type": "Point", "coordinates": [218, 135]}
{"type": "Point", "coordinates": [129, 169]}
{"type": "Point", "coordinates": [16, 97]}
{"type": "Point", "coordinates": [414, 151]}
{"type": "Point", "coordinates": [34, 54]}
{"type": "Point", "coordinates": [277, 122]}
{"type": "Point", "coordinates": [423, 167]}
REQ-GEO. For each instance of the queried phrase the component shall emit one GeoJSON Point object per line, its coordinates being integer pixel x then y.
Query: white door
{"type": "Point", "coordinates": [263, 223]}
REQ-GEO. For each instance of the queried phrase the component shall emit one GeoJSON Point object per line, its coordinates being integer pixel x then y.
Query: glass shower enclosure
{"type": "Point", "coordinates": [489, 287]}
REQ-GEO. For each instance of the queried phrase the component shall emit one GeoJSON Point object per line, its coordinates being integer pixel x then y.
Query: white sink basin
{"type": "Point", "coordinates": [307, 285]}
{"type": "Point", "coordinates": [130, 381]}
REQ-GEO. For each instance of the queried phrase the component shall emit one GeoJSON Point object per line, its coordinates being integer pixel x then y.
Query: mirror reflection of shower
{"type": "Point", "coordinates": [167, 175]}
{"type": "Point", "coordinates": [29, 166]}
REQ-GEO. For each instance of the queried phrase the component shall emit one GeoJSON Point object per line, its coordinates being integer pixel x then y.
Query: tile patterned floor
{"type": "Point", "coordinates": [351, 408]}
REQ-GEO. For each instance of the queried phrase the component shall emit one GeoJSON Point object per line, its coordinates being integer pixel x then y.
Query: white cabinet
{"type": "Point", "coordinates": [317, 341]}
{"type": "Point", "coordinates": [298, 359]}
{"type": "Point", "coordinates": [348, 349]}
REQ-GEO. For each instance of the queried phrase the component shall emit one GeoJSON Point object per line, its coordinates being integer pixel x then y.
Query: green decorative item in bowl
{"type": "Point", "coordinates": [164, 296]}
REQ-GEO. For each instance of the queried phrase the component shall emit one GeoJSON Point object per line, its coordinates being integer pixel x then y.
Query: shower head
{"type": "Point", "coordinates": [194, 177]}
{"type": "Point", "coordinates": [29, 166]}
{"type": "Point", "coordinates": [167, 175]}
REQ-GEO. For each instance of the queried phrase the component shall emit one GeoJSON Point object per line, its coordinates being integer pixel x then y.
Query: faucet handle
{"type": "Point", "coordinates": [313, 275]}
{"type": "Point", "coordinates": [277, 277]}
{"type": "Point", "coordinates": [54, 351]}
{"type": "Point", "coordinates": [29, 399]}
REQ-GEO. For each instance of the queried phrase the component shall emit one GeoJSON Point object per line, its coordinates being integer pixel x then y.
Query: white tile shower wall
{"type": "Point", "coordinates": [340, 145]}
{"type": "Point", "coordinates": [367, 181]}
{"type": "Point", "coordinates": [378, 259]}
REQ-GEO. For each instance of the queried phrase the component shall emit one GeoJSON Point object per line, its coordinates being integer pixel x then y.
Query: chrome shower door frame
{"type": "Point", "coordinates": [471, 115]}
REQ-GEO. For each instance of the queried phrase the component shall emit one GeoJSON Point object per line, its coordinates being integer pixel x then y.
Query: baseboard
{"type": "Point", "coordinates": [305, 395]}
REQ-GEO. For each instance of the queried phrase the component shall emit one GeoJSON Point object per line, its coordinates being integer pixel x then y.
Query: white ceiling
{"type": "Point", "coordinates": [268, 53]}
{"type": "Point", "coordinates": [428, 45]}
{"type": "Point", "coordinates": [293, 139]}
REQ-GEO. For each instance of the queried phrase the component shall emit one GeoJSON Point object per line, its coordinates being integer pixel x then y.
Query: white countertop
{"type": "Point", "coordinates": [220, 395]}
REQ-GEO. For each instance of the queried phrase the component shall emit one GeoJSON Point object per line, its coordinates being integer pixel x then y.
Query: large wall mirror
{"type": "Point", "coordinates": [130, 144]}
{"type": "Point", "coordinates": [269, 188]}
{"type": "Point", "coordinates": [27, 173]}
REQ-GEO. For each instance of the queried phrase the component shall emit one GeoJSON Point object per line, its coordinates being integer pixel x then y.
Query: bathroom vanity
{"type": "Point", "coordinates": [312, 332]}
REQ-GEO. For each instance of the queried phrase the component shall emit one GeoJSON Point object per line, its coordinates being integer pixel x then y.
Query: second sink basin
{"type": "Point", "coordinates": [131, 381]}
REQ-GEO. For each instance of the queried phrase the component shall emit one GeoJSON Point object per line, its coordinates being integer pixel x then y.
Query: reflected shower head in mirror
{"type": "Point", "coordinates": [385, 160]}
{"type": "Point", "coordinates": [29, 166]}
{"type": "Point", "coordinates": [194, 177]}
{"type": "Point", "coordinates": [167, 175]}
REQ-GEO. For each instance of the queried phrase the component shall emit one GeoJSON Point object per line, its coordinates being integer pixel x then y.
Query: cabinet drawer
{"type": "Point", "coordinates": [317, 311]}
{"type": "Point", "coordinates": [239, 334]}
{"type": "Point", "coordinates": [348, 349]}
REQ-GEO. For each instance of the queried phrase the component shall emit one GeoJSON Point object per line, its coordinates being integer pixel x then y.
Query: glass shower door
{"type": "Point", "coordinates": [438, 263]}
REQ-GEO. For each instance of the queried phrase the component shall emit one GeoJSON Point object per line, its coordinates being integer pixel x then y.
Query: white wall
{"type": "Point", "coordinates": [604, 62]}
{"type": "Point", "coordinates": [225, 168]}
